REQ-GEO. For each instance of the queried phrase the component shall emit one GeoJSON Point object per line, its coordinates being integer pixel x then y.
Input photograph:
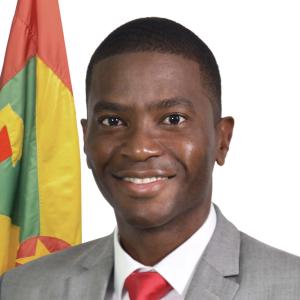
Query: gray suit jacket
{"type": "Point", "coordinates": [233, 266]}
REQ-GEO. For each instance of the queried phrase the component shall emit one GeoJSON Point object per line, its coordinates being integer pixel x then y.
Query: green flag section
{"type": "Point", "coordinates": [40, 209]}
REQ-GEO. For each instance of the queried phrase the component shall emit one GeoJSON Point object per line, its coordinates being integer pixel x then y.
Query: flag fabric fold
{"type": "Point", "coordinates": [40, 210]}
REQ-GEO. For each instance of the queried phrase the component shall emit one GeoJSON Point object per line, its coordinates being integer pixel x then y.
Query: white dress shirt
{"type": "Point", "coordinates": [183, 259]}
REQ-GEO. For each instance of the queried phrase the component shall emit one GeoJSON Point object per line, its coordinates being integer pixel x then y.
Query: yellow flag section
{"type": "Point", "coordinates": [9, 240]}
{"type": "Point", "coordinates": [58, 175]}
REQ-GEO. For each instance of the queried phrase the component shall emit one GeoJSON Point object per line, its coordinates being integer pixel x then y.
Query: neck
{"type": "Point", "coordinates": [150, 245]}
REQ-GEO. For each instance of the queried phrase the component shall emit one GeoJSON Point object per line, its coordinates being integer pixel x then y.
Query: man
{"type": "Point", "coordinates": [152, 136]}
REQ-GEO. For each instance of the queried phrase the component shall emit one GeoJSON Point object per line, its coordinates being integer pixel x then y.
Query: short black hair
{"type": "Point", "coordinates": [164, 36]}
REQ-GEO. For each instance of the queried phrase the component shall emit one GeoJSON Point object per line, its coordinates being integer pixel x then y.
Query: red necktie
{"type": "Point", "coordinates": [146, 286]}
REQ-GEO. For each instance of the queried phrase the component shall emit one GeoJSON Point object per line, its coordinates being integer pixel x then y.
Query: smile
{"type": "Point", "coordinates": [142, 184]}
{"type": "Point", "coordinates": [145, 180]}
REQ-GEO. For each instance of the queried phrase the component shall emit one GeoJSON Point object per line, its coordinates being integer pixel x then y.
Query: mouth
{"type": "Point", "coordinates": [143, 185]}
{"type": "Point", "coordinates": [146, 180]}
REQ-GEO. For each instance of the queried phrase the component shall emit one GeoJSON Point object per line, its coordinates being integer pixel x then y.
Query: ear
{"type": "Point", "coordinates": [224, 134]}
{"type": "Point", "coordinates": [84, 130]}
{"type": "Point", "coordinates": [84, 126]}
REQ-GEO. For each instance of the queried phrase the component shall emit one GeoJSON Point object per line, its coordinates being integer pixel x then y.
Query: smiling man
{"type": "Point", "coordinates": [152, 136]}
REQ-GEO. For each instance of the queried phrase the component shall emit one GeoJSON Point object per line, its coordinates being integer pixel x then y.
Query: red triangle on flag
{"type": "Point", "coordinates": [5, 146]}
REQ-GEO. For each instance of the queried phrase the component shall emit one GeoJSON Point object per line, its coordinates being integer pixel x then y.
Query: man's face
{"type": "Point", "coordinates": [150, 137]}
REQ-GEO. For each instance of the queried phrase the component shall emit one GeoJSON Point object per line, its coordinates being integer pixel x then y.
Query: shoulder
{"type": "Point", "coordinates": [58, 265]}
{"type": "Point", "coordinates": [264, 264]}
{"type": "Point", "coordinates": [253, 256]}
{"type": "Point", "coordinates": [262, 271]}
{"type": "Point", "coordinates": [256, 253]}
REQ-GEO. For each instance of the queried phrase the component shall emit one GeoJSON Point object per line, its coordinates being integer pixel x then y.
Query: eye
{"type": "Point", "coordinates": [174, 119]}
{"type": "Point", "coordinates": [111, 121]}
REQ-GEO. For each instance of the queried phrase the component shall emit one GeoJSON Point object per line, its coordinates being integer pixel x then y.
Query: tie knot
{"type": "Point", "coordinates": [146, 286]}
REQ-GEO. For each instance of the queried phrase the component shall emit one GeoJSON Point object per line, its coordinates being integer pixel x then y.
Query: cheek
{"type": "Point", "coordinates": [98, 151]}
{"type": "Point", "coordinates": [189, 152]}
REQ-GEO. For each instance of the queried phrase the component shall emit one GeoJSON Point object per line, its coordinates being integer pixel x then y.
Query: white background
{"type": "Point", "coordinates": [257, 45]}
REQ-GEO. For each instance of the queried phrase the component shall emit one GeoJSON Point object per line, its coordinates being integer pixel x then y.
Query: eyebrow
{"type": "Point", "coordinates": [108, 105]}
{"type": "Point", "coordinates": [171, 102]}
{"type": "Point", "coordinates": [162, 104]}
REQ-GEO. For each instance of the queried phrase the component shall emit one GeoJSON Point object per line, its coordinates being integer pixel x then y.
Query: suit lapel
{"type": "Point", "coordinates": [209, 284]}
{"type": "Point", "coordinates": [93, 275]}
{"type": "Point", "coordinates": [90, 284]}
{"type": "Point", "coordinates": [215, 276]}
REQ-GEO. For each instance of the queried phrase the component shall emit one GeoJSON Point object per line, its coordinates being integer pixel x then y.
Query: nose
{"type": "Point", "coordinates": [140, 145]}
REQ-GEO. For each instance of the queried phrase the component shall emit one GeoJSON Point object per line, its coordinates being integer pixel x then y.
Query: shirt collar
{"type": "Point", "coordinates": [185, 258]}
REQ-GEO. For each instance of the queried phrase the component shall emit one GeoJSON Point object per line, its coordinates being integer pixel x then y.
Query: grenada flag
{"type": "Point", "coordinates": [40, 209]}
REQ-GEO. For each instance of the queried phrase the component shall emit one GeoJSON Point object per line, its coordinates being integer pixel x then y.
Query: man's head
{"type": "Point", "coordinates": [154, 129]}
{"type": "Point", "coordinates": [162, 36]}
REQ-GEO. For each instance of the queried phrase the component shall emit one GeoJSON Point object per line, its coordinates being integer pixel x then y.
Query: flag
{"type": "Point", "coordinates": [40, 210]}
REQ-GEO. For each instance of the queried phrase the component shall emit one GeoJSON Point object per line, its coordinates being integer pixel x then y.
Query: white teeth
{"type": "Point", "coordinates": [143, 180]}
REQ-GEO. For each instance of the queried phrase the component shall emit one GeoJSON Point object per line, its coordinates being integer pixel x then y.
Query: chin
{"type": "Point", "coordinates": [146, 219]}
